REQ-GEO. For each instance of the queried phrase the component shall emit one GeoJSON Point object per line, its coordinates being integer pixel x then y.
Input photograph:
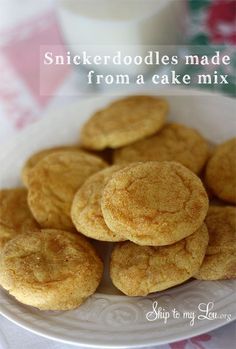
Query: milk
{"type": "Point", "coordinates": [132, 26]}
{"type": "Point", "coordinates": [113, 9]}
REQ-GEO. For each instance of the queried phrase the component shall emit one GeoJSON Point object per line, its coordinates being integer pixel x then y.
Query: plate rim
{"type": "Point", "coordinates": [173, 338]}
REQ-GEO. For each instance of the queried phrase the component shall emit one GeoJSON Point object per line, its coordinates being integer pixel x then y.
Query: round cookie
{"type": "Point", "coordinates": [139, 270]}
{"type": "Point", "coordinates": [220, 260]}
{"type": "Point", "coordinates": [154, 203]}
{"type": "Point", "coordinates": [174, 142]}
{"type": "Point", "coordinates": [86, 210]}
{"type": "Point", "coordinates": [36, 157]}
{"type": "Point", "coordinates": [53, 183]}
{"type": "Point", "coordinates": [15, 215]}
{"type": "Point", "coordinates": [124, 121]}
{"type": "Point", "coordinates": [50, 270]}
{"type": "Point", "coordinates": [221, 171]}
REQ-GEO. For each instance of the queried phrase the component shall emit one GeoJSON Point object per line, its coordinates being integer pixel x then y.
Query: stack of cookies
{"type": "Point", "coordinates": [133, 180]}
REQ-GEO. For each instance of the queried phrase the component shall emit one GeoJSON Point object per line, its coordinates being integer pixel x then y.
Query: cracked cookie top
{"type": "Point", "coordinates": [36, 157]}
{"type": "Point", "coordinates": [86, 210]}
{"type": "Point", "coordinates": [53, 183]}
{"type": "Point", "coordinates": [124, 121]}
{"type": "Point", "coordinates": [175, 142]}
{"type": "Point", "coordinates": [221, 171]}
{"type": "Point", "coordinates": [154, 203]}
{"type": "Point", "coordinates": [220, 260]}
{"type": "Point", "coordinates": [50, 269]}
{"type": "Point", "coordinates": [15, 215]}
{"type": "Point", "coordinates": [139, 270]}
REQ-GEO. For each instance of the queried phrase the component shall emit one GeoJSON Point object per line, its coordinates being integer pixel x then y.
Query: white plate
{"type": "Point", "coordinates": [109, 319]}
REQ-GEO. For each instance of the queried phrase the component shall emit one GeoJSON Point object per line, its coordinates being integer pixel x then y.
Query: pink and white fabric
{"type": "Point", "coordinates": [24, 26]}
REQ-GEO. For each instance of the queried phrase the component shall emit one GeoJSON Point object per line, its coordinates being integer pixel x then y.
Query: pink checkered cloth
{"type": "Point", "coordinates": [20, 100]}
{"type": "Point", "coordinates": [22, 104]}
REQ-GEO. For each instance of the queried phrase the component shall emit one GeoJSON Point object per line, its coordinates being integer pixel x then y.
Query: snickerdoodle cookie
{"type": "Point", "coordinates": [36, 157]}
{"type": "Point", "coordinates": [86, 210]}
{"type": "Point", "coordinates": [174, 142]}
{"type": "Point", "coordinates": [221, 171]}
{"type": "Point", "coordinates": [139, 270]}
{"type": "Point", "coordinates": [220, 260]}
{"type": "Point", "coordinates": [53, 183]}
{"type": "Point", "coordinates": [154, 203]}
{"type": "Point", "coordinates": [15, 216]}
{"type": "Point", "coordinates": [124, 121]}
{"type": "Point", "coordinates": [50, 270]}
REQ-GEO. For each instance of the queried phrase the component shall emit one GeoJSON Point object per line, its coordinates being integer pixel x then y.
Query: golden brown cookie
{"type": "Point", "coordinates": [220, 260]}
{"type": "Point", "coordinates": [53, 183]}
{"type": "Point", "coordinates": [139, 270]}
{"type": "Point", "coordinates": [174, 142]}
{"type": "Point", "coordinates": [221, 171]}
{"type": "Point", "coordinates": [15, 216]}
{"type": "Point", "coordinates": [124, 121]}
{"type": "Point", "coordinates": [36, 157]}
{"type": "Point", "coordinates": [50, 270]}
{"type": "Point", "coordinates": [86, 210]}
{"type": "Point", "coordinates": [154, 203]}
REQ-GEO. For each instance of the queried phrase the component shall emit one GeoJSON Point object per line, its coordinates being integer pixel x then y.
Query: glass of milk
{"type": "Point", "coordinates": [132, 26]}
